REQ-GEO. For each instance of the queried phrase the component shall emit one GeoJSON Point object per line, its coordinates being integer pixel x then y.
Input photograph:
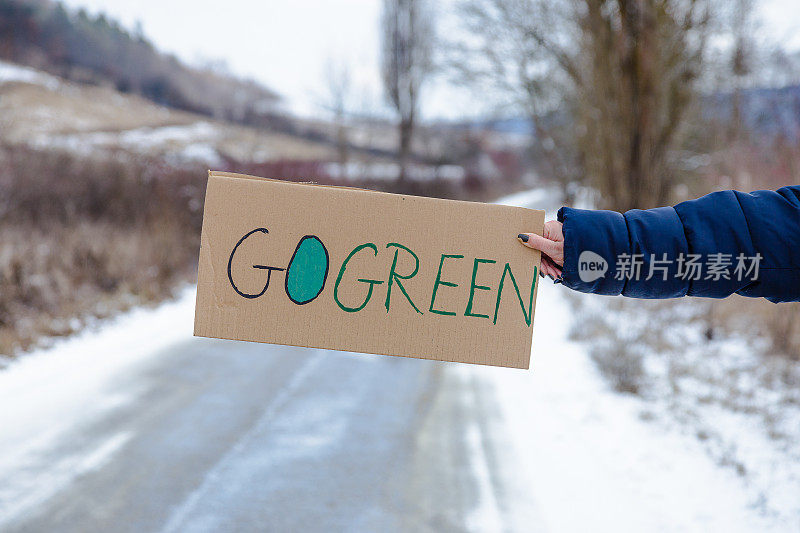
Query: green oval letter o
{"type": "Point", "coordinates": [307, 270]}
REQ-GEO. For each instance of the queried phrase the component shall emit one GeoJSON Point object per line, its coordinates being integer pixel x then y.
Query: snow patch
{"type": "Point", "coordinates": [190, 142]}
{"type": "Point", "coordinates": [354, 171]}
{"type": "Point", "coordinates": [10, 72]}
{"type": "Point", "coordinates": [24, 491]}
{"type": "Point", "coordinates": [202, 153]}
{"type": "Point", "coordinates": [148, 138]}
{"type": "Point", "coordinates": [532, 198]}
{"type": "Point", "coordinates": [486, 516]}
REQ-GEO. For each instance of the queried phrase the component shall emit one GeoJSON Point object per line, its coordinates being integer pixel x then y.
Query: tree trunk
{"type": "Point", "coordinates": [406, 131]}
{"type": "Point", "coordinates": [342, 143]}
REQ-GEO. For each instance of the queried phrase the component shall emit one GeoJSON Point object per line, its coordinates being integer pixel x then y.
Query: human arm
{"type": "Point", "coordinates": [761, 224]}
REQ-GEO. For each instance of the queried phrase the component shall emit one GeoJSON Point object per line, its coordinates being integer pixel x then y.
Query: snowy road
{"type": "Point", "coordinates": [224, 436]}
{"type": "Point", "coordinates": [140, 427]}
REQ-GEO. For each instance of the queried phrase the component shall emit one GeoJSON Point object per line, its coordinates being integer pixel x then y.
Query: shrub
{"type": "Point", "coordinates": [82, 238]}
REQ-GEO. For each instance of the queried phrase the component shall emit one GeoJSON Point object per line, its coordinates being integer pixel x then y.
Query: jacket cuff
{"type": "Point", "coordinates": [592, 242]}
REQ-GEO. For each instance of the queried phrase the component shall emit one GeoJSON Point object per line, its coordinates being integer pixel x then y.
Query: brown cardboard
{"type": "Point", "coordinates": [285, 232]}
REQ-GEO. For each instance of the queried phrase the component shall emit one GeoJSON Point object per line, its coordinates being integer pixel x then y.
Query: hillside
{"type": "Point", "coordinates": [98, 51]}
{"type": "Point", "coordinates": [45, 112]}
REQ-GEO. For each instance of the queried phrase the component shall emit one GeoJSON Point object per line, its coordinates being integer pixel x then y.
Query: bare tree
{"type": "Point", "coordinates": [339, 102]}
{"type": "Point", "coordinates": [741, 64]}
{"type": "Point", "coordinates": [607, 83]}
{"type": "Point", "coordinates": [638, 66]}
{"type": "Point", "coordinates": [408, 35]}
{"type": "Point", "coordinates": [503, 56]}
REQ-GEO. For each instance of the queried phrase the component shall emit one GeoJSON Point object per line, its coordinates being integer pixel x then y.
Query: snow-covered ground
{"type": "Point", "coordinates": [582, 456]}
{"type": "Point", "coordinates": [583, 453]}
{"type": "Point", "coordinates": [711, 444]}
{"type": "Point", "coordinates": [597, 462]}
{"type": "Point", "coordinates": [727, 393]}
{"type": "Point", "coordinates": [52, 391]}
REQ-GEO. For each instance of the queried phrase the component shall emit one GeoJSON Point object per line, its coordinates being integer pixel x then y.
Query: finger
{"type": "Point", "coordinates": [537, 242]}
{"type": "Point", "coordinates": [548, 266]}
{"type": "Point", "coordinates": [552, 264]}
{"type": "Point", "coordinates": [544, 269]}
{"type": "Point", "coordinates": [553, 231]}
{"type": "Point", "coordinates": [552, 268]}
{"type": "Point", "coordinates": [553, 249]}
{"type": "Point", "coordinates": [547, 262]}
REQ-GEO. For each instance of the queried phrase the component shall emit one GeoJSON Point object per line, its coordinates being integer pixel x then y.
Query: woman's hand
{"type": "Point", "coordinates": [551, 245]}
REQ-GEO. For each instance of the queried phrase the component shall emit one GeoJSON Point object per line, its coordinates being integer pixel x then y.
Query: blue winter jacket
{"type": "Point", "coordinates": [723, 243]}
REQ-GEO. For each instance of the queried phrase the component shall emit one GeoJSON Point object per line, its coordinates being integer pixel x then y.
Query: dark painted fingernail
{"type": "Point", "coordinates": [551, 277]}
{"type": "Point", "coordinates": [522, 237]}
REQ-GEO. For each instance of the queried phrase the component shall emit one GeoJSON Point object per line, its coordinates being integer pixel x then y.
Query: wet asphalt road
{"type": "Point", "coordinates": [231, 436]}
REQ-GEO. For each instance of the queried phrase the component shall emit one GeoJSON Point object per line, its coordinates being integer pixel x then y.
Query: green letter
{"type": "Point", "coordinates": [529, 315]}
{"type": "Point", "coordinates": [445, 283]}
{"type": "Point", "coordinates": [371, 282]}
{"type": "Point", "coordinates": [472, 287]}
{"type": "Point", "coordinates": [394, 275]}
{"type": "Point", "coordinates": [307, 270]}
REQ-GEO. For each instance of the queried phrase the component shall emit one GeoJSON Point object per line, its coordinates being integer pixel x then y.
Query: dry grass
{"type": "Point", "coordinates": [779, 323]}
{"type": "Point", "coordinates": [53, 279]}
{"type": "Point", "coordinates": [748, 165]}
{"type": "Point", "coordinates": [86, 238]}
{"type": "Point", "coordinates": [697, 356]}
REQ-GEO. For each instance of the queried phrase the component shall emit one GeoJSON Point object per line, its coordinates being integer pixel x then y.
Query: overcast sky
{"type": "Point", "coordinates": [286, 43]}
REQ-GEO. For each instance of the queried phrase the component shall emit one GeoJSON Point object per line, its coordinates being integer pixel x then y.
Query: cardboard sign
{"type": "Point", "coordinates": [363, 271]}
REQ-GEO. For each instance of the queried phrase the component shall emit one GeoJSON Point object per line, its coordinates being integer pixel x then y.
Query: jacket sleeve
{"type": "Point", "coordinates": [723, 243]}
